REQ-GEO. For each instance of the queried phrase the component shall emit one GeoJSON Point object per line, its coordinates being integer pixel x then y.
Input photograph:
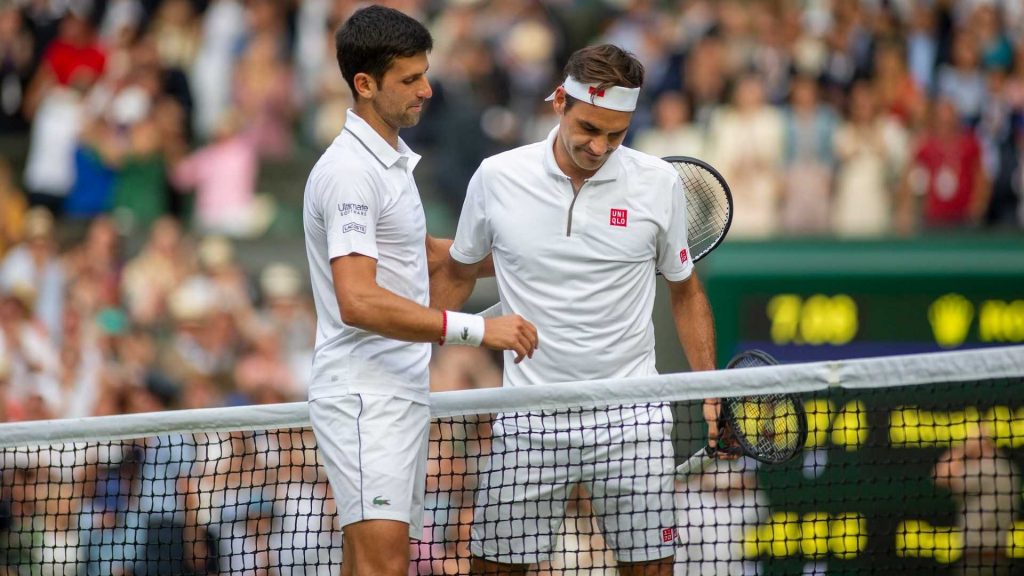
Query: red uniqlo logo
{"type": "Point", "coordinates": [668, 534]}
{"type": "Point", "coordinates": [683, 256]}
{"type": "Point", "coordinates": [618, 217]}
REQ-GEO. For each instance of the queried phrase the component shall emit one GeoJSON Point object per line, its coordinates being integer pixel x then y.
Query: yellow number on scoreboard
{"type": "Point", "coordinates": [815, 320]}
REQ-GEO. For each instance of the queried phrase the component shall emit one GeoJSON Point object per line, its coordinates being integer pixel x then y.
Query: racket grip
{"type": "Point", "coordinates": [695, 464]}
{"type": "Point", "coordinates": [492, 312]}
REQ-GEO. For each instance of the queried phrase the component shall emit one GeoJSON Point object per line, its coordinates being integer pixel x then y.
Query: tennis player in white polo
{"type": "Point", "coordinates": [577, 225]}
{"type": "Point", "coordinates": [368, 255]}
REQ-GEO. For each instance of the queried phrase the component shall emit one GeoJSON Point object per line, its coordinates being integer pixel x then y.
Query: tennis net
{"type": "Point", "coordinates": [912, 465]}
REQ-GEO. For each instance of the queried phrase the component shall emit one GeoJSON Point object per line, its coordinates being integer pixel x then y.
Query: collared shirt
{"type": "Point", "coordinates": [361, 199]}
{"type": "Point", "coordinates": [580, 266]}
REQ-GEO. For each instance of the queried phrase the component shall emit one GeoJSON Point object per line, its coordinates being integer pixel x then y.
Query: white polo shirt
{"type": "Point", "coordinates": [582, 268]}
{"type": "Point", "coordinates": [361, 199]}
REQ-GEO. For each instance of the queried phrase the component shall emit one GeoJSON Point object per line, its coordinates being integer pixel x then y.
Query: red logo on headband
{"type": "Point", "coordinates": [595, 92]}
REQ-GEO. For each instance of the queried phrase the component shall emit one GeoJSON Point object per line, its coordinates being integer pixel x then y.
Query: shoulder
{"type": "Point", "coordinates": [343, 167]}
{"type": "Point", "coordinates": [529, 157]}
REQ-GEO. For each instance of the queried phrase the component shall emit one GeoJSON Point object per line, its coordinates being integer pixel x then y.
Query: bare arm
{"type": "Point", "coordinates": [694, 323]}
{"type": "Point", "coordinates": [453, 282]}
{"type": "Point", "coordinates": [366, 305]}
{"type": "Point", "coordinates": [437, 253]}
{"type": "Point", "coordinates": [696, 329]}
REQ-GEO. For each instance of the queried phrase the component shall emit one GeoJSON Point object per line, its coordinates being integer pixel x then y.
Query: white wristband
{"type": "Point", "coordinates": [463, 329]}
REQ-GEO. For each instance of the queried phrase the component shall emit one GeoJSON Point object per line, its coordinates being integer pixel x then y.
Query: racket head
{"type": "Point", "coordinates": [770, 428]}
{"type": "Point", "coordinates": [709, 205]}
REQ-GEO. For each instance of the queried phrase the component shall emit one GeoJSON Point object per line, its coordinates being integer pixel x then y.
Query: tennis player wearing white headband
{"type": "Point", "coordinates": [577, 225]}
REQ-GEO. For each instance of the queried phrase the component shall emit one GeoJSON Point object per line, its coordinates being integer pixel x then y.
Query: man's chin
{"type": "Point", "coordinates": [410, 120]}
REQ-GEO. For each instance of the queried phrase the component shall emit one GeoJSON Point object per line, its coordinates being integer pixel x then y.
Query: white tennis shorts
{"type": "Point", "coordinates": [624, 459]}
{"type": "Point", "coordinates": [374, 449]}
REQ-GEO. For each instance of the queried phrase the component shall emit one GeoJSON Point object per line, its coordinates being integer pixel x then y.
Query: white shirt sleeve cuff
{"type": "Point", "coordinates": [462, 257]}
{"type": "Point", "coordinates": [678, 276]}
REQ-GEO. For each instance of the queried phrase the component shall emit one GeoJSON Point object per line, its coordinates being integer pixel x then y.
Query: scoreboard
{"type": "Point", "coordinates": [816, 300]}
{"type": "Point", "coordinates": [863, 497]}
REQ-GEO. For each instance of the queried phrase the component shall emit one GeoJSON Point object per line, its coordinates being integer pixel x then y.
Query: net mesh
{"type": "Point", "coordinates": [911, 466]}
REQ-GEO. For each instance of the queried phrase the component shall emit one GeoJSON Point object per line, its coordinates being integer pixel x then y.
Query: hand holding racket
{"type": "Point", "coordinates": [770, 428]}
{"type": "Point", "coordinates": [708, 209]}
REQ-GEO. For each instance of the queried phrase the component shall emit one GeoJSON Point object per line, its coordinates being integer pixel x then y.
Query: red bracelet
{"type": "Point", "coordinates": [444, 327]}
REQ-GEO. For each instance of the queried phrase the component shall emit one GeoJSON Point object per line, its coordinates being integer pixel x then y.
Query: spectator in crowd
{"type": "Point", "coordinates": [871, 150]}
{"type": "Point", "coordinates": [962, 80]}
{"type": "Point", "coordinates": [56, 123]}
{"type": "Point", "coordinates": [110, 111]}
{"type": "Point", "coordinates": [717, 507]}
{"type": "Point", "coordinates": [73, 55]}
{"type": "Point", "coordinates": [155, 272]}
{"type": "Point", "coordinates": [33, 359]}
{"type": "Point", "coordinates": [286, 312]}
{"type": "Point", "coordinates": [36, 265]}
{"type": "Point", "coordinates": [176, 32]}
{"type": "Point", "coordinates": [808, 159]}
{"type": "Point", "coordinates": [16, 61]}
{"type": "Point", "coordinates": [745, 143]}
{"type": "Point", "coordinates": [263, 94]}
{"type": "Point", "coordinates": [223, 27]}
{"type": "Point", "coordinates": [223, 174]}
{"type": "Point", "coordinates": [673, 132]}
{"type": "Point", "coordinates": [899, 96]}
{"type": "Point", "coordinates": [945, 185]}
{"type": "Point", "coordinates": [986, 486]}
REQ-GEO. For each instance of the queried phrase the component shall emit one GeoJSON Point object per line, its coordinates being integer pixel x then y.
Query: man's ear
{"type": "Point", "coordinates": [558, 104]}
{"type": "Point", "coordinates": [366, 86]}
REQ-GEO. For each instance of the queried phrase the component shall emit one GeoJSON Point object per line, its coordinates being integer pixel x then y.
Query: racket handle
{"type": "Point", "coordinates": [492, 312]}
{"type": "Point", "coordinates": [695, 464]}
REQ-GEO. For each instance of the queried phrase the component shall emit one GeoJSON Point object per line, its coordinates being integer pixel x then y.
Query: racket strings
{"type": "Point", "coordinates": [768, 425]}
{"type": "Point", "coordinates": [707, 207]}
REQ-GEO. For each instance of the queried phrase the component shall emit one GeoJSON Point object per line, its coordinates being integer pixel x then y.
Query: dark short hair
{"type": "Point", "coordinates": [606, 65]}
{"type": "Point", "coordinates": [370, 40]}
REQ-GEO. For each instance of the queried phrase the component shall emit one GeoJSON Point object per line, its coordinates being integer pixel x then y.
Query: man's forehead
{"type": "Point", "coordinates": [600, 118]}
{"type": "Point", "coordinates": [405, 65]}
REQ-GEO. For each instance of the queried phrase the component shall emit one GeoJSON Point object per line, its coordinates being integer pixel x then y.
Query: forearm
{"type": "Point", "coordinates": [694, 323]}
{"type": "Point", "coordinates": [452, 282]}
{"type": "Point", "coordinates": [383, 312]}
{"type": "Point", "coordinates": [449, 291]}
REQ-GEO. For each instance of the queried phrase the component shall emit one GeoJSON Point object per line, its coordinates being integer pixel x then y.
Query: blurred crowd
{"type": "Point", "coordinates": [152, 119]}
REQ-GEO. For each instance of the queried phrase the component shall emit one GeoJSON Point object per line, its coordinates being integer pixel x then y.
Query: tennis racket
{"type": "Point", "coordinates": [708, 204]}
{"type": "Point", "coordinates": [708, 209]}
{"type": "Point", "coordinates": [770, 428]}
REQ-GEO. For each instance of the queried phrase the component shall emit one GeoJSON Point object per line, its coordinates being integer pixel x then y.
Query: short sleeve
{"type": "Point", "coordinates": [473, 236]}
{"type": "Point", "coordinates": [351, 210]}
{"type": "Point", "coordinates": [674, 259]}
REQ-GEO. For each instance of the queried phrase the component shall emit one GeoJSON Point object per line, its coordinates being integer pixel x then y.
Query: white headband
{"type": "Point", "coordinates": [612, 98]}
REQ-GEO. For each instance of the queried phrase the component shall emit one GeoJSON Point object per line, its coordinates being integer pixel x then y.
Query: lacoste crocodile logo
{"type": "Point", "coordinates": [381, 501]}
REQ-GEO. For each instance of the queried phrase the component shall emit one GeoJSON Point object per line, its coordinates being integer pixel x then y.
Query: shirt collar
{"type": "Point", "coordinates": [608, 172]}
{"type": "Point", "coordinates": [376, 144]}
